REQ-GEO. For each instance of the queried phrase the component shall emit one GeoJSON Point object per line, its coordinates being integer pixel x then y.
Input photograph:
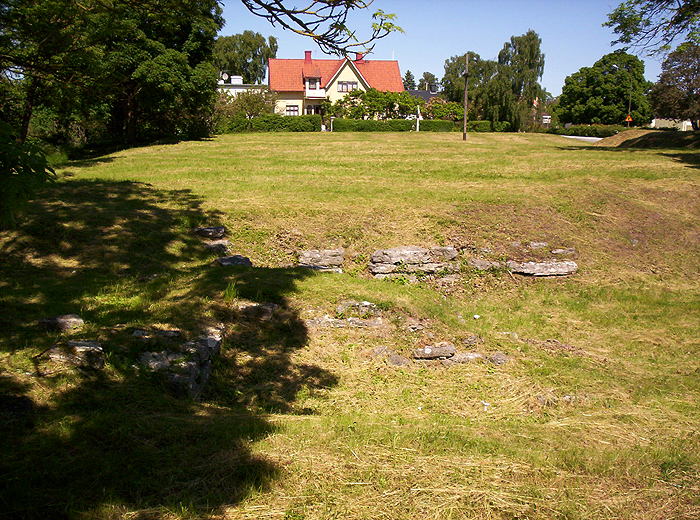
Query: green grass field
{"type": "Point", "coordinates": [302, 423]}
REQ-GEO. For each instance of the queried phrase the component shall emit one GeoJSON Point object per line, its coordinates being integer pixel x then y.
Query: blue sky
{"type": "Point", "coordinates": [571, 32]}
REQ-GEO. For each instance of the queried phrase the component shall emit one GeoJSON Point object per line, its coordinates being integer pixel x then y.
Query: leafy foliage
{"type": "Point", "coordinates": [677, 93]}
{"type": "Point", "coordinates": [245, 54]}
{"type": "Point", "coordinates": [480, 73]}
{"type": "Point", "coordinates": [426, 80]}
{"type": "Point", "coordinates": [653, 25]}
{"type": "Point", "coordinates": [372, 104]}
{"type": "Point", "coordinates": [23, 170]}
{"type": "Point", "coordinates": [604, 93]}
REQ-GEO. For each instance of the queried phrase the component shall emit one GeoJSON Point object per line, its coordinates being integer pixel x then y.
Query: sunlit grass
{"type": "Point", "coordinates": [301, 423]}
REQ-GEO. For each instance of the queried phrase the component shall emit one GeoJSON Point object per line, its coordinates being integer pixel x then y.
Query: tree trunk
{"type": "Point", "coordinates": [28, 109]}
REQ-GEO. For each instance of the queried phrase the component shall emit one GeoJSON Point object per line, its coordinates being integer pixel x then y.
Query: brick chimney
{"type": "Point", "coordinates": [359, 57]}
{"type": "Point", "coordinates": [307, 56]}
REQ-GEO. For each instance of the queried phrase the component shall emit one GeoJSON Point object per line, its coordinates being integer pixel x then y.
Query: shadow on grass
{"type": "Point", "coordinates": [117, 442]}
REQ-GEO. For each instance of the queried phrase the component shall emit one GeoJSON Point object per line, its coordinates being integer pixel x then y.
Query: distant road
{"type": "Point", "coordinates": [587, 139]}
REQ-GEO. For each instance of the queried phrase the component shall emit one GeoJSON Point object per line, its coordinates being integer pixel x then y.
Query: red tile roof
{"type": "Point", "coordinates": [288, 75]}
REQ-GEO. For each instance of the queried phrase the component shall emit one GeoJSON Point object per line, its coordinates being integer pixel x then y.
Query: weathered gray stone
{"type": "Point", "coordinates": [211, 232]}
{"type": "Point", "coordinates": [396, 360]}
{"type": "Point", "coordinates": [382, 268]}
{"type": "Point", "coordinates": [537, 245]}
{"type": "Point", "coordinates": [258, 310]}
{"type": "Point", "coordinates": [188, 368]}
{"type": "Point", "coordinates": [498, 358]}
{"type": "Point", "coordinates": [437, 351]}
{"type": "Point", "coordinates": [86, 354]}
{"type": "Point", "coordinates": [568, 251]}
{"type": "Point", "coordinates": [63, 323]}
{"type": "Point", "coordinates": [473, 339]}
{"type": "Point", "coordinates": [401, 255]}
{"type": "Point", "coordinates": [549, 268]}
{"type": "Point", "coordinates": [466, 357]}
{"type": "Point", "coordinates": [484, 265]}
{"type": "Point", "coordinates": [321, 258]}
{"type": "Point", "coordinates": [431, 267]}
{"type": "Point", "coordinates": [219, 246]}
{"type": "Point", "coordinates": [234, 260]}
{"type": "Point", "coordinates": [443, 253]}
{"type": "Point", "coordinates": [352, 322]}
{"type": "Point", "coordinates": [363, 308]}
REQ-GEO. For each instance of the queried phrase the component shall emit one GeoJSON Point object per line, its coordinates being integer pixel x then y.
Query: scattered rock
{"type": "Point", "coordinates": [564, 251]}
{"type": "Point", "coordinates": [537, 245]}
{"type": "Point", "coordinates": [415, 327]}
{"type": "Point", "coordinates": [211, 232]}
{"type": "Point", "coordinates": [473, 339]}
{"type": "Point", "coordinates": [413, 259]}
{"type": "Point", "coordinates": [63, 323]}
{"type": "Point", "coordinates": [549, 268]}
{"type": "Point", "coordinates": [258, 310]}
{"type": "Point", "coordinates": [466, 357]}
{"type": "Point", "coordinates": [235, 260]}
{"type": "Point", "coordinates": [85, 354]}
{"type": "Point", "coordinates": [513, 335]}
{"type": "Point", "coordinates": [484, 265]}
{"type": "Point", "coordinates": [322, 259]}
{"type": "Point", "coordinates": [363, 308]}
{"type": "Point", "coordinates": [437, 351]}
{"type": "Point", "coordinates": [187, 368]}
{"type": "Point", "coordinates": [396, 360]}
{"type": "Point", "coordinates": [218, 246]}
{"type": "Point", "coordinates": [498, 358]}
{"type": "Point", "coordinates": [337, 323]}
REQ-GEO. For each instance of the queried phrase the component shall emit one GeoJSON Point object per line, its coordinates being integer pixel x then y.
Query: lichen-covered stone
{"type": "Point", "coordinates": [548, 268]}
{"type": "Point", "coordinates": [64, 322]}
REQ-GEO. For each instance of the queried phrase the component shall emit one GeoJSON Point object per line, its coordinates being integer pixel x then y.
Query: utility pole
{"type": "Point", "coordinates": [466, 95]}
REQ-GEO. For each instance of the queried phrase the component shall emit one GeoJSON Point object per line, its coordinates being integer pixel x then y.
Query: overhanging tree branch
{"type": "Point", "coordinates": [325, 21]}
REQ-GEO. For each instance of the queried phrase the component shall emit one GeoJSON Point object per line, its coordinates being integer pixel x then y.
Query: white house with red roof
{"type": "Point", "coordinates": [301, 85]}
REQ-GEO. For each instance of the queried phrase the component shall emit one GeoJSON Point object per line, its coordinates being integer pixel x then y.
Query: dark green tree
{"type": "Point", "coordinates": [480, 73]}
{"type": "Point", "coordinates": [245, 54]}
{"type": "Point", "coordinates": [409, 82]}
{"type": "Point", "coordinates": [606, 92]}
{"type": "Point", "coordinates": [653, 25]}
{"type": "Point", "coordinates": [677, 93]}
{"type": "Point", "coordinates": [426, 80]}
{"type": "Point", "coordinates": [512, 93]}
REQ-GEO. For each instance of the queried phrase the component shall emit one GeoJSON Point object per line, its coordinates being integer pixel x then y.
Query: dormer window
{"type": "Point", "coordinates": [314, 83]}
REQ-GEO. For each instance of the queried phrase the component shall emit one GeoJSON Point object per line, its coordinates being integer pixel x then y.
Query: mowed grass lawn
{"type": "Point", "coordinates": [304, 423]}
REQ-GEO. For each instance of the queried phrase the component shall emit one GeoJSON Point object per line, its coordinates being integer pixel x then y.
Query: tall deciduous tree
{"type": "Point", "coordinates": [426, 80]}
{"type": "Point", "coordinates": [480, 73]}
{"type": "Point", "coordinates": [245, 54]}
{"type": "Point", "coordinates": [409, 82]}
{"type": "Point", "coordinates": [653, 25]}
{"type": "Point", "coordinates": [677, 93]}
{"type": "Point", "coordinates": [604, 93]}
{"type": "Point", "coordinates": [512, 93]}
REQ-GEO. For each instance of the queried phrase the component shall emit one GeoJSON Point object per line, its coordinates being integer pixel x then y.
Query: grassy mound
{"type": "Point", "coordinates": [638, 138]}
{"type": "Point", "coordinates": [593, 416]}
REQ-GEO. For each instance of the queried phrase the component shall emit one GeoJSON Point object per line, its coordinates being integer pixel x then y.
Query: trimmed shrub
{"type": "Point", "coordinates": [590, 130]}
{"type": "Point", "coordinates": [437, 125]}
{"type": "Point", "coordinates": [370, 125]}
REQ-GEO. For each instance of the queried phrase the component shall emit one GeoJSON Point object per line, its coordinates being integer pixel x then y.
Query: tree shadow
{"type": "Point", "coordinates": [119, 441]}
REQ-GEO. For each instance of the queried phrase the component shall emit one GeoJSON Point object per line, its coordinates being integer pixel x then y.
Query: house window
{"type": "Point", "coordinates": [292, 110]}
{"type": "Point", "coordinates": [347, 86]}
{"type": "Point", "coordinates": [313, 83]}
{"type": "Point", "coordinates": [313, 109]}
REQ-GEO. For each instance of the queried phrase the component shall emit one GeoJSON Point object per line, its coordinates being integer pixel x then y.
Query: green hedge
{"type": "Point", "coordinates": [590, 130]}
{"type": "Point", "coordinates": [407, 125]}
{"type": "Point", "coordinates": [272, 123]}
{"type": "Point", "coordinates": [370, 125]}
